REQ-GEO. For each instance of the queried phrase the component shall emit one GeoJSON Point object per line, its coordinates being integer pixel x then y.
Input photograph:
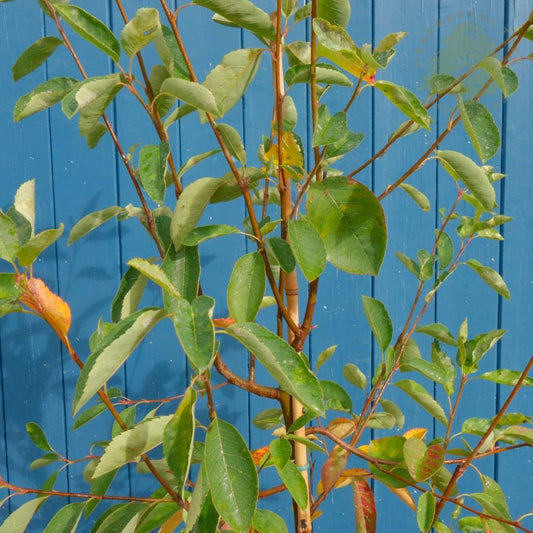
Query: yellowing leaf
{"type": "Point", "coordinates": [40, 299]}
{"type": "Point", "coordinates": [291, 151]}
{"type": "Point", "coordinates": [418, 433]}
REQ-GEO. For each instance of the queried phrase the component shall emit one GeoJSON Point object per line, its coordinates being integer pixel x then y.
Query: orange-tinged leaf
{"type": "Point", "coordinates": [316, 515]}
{"type": "Point", "coordinates": [259, 454]}
{"type": "Point", "coordinates": [342, 427]}
{"type": "Point", "coordinates": [170, 525]}
{"type": "Point", "coordinates": [364, 506]}
{"type": "Point", "coordinates": [418, 433]}
{"type": "Point", "coordinates": [223, 322]}
{"type": "Point", "coordinates": [40, 299]}
{"type": "Point", "coordinates": [405, 496]}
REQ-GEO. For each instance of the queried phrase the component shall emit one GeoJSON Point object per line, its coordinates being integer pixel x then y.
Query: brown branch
{"type": "Point", "coordinates": [249, 386]}
{"type": "Point", "coordinates": [461, 469]}
{"type": "Point", "coordinates": [26, 490]}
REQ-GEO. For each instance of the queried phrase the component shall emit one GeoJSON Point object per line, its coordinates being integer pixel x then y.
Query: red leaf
{"type": "Point", "coordinates": [364, 506]}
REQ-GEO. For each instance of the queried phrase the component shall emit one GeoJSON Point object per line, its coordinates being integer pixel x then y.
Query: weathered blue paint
{"type": "Point", "coordinates": [37, 377]}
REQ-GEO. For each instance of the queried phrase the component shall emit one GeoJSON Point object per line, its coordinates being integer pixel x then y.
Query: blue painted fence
{"type": "Point", "coordinates": [37, 376]}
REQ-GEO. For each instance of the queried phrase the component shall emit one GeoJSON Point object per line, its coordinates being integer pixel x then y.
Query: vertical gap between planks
{"type": "Point", "coordinates": [501, 247]}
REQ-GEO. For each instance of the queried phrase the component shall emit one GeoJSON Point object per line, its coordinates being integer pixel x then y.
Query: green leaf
{"type": "Point", "coordinates": [183, 270]}
{"type": "Point", "coordinates": [178, 439]}
{"type": "Point", "coordinates": [42, 97]}
{"type": "Point", "coordinates": [504, 77]}
{"type": "Point", "coordinates": [381, 421]}
{"type": "Point", "coordinates": [229, 80]}
{"type": "Point", "coordinates": [202, 516]}
{"type": "Point", "coordinates": [461, 167]}
{"type": "Point", "coordinates": [336, 12]}
{"type": "Point", "coordinates": [129, 294]}
{"type": "Point", "coordinates": [128, 445]}
{"type": "Point", "coordinates": [439, 332]}
{"type": "Point", "coordinates": [196, 331]}
{"type": "Point", "coordinates": [66, 519]}
{"type": "Point", "coordinates": [481, 128]}
{"type": "Point", "coordinates": [153, 272]}
{"type": "Point", "coordinates": [389, 449]}
{"type": "Point", "coordinates": [268, 419]}
{"type": "Point", "coordinates": [329, 129]}
{"type": "Point", "coordinates": [243, 14]}
{"type": "Point", "coordinates": [282, 251]}
{"type": "Point", "coordinates": [308, 248]}
{"type": "Point", "coordinates": [346, 145]}
{"type": "Point", "coordinates": [190, 206]}
{"type": "Point", "coordinates": [45, 460]}
{"type": "Point", "coordinates": [88, 415]}
{"type": "Point", "coordinates": [123, 517]}
{"type": "Point", "coordinates": [425, 513]}
{"type": "Point", "coordinates": [91, 29]}
{"type": "Point", "coordinates": [246, 287]}
{"type": "Point", "coordinates": [140, 31]}
{"type": "Point", "coordinates": [204, 233]}
{"type": "Point", "coordinates": [24, 205]}
{"type": "Point", "coordinates": [233, 142]}
{"type": "Point", "coordinates": [325, 73]}
{"type": "Point", "coordinates": [231, 475]}
{"type": "Point", "coordinates": [170, 53]}
{"type": "Point", "coordinates": [43, 6]}
{"type": "Point", "coordinates": [158, 516]}
{"type": "Point", "coordinates": [525, 434]}
{"type": "Point", "coordinates": [8, 287]}
{"type": "Point", "coordinates": [504, 376]}
{"type": "Point", "coordinates": [411, 265]}
{"type": "Point", "coordinates": [335, 396]}
{"type": "Point", "coordinates": [405, 101]}
{"type": "Point", "coordinates": [324, 356]}
{"type": "Point", "coordinates": [19, 519]}
{"type": "Point", "coordinates": [421, 396]}
{"type": "Point", "coordinates": [191, 93]}
{"type": "Point", "coordinates": [351, 222]}
{"type": "Point", "coordinates": [152, 167]}
{"type": "Point", "coordinates": [112, 351]}
{"type": "Point", "coordinates": [295, 483]}
{"type": "Point", "coordinates": [34, 56]}
{"type": "Point", "coordinates": [392, 409]}
{"type": "Point", "coordinates": [38, 437]}
{"type": "Point", "coordinates": [378, 317]}
{"type": "Point", "coordinates": [266, 521]}
{"type": "Point", "coordinates": [90, 98]}
{"type": "Point", "coordinates": [419, 197]}
{"type": "Point", "coordinates": [29, 251]}
{"type": "Point", "coordinates": [490, 277]}
{"type": "Point", "coordinates": [445, 250]}
{"type": "Point", "coordinates": [9, 245]}
{"type": "Point", "coordinates": [282, 362]}
{"type": "Point", "coordinates": [441, 82]}
{"type": "Point", "coordinates": [92, 221]}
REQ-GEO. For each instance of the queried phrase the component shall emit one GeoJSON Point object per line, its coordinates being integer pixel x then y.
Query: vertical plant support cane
{"type": "Point", "coordinates": [303, 215]}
